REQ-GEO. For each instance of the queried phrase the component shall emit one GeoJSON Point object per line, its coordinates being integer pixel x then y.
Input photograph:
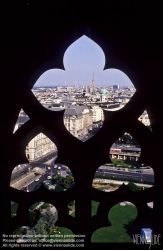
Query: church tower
{"type": "Point", "coordinates": [93, 85]}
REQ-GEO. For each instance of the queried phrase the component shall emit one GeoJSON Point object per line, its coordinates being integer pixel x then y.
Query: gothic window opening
{"type": "Point", "coordinates": [52, 108]}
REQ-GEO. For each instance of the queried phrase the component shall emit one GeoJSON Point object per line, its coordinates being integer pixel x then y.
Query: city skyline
{"type": "Point", "coordinates": [81, 59]}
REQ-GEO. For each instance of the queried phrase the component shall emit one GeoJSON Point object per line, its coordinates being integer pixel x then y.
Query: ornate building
{"type": "Point", "coordinates": [104, 95]}
{"type": "Point", "coordinates": [92, 88]}
{"type": "Point", "coordinates": [97, 115]}
{"type": "Point", "coordinates": [40, 145]}
{"type": "Point", "coordinates": [78, 120]}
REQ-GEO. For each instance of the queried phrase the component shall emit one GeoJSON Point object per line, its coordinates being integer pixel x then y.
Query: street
{"type": "Point", "coordinates": [40, 163]}
{"type": "Point", "coordinates": [103, 170]}
{"type": "Point", "coordinates": [145, 176]}
{"type": "Point", "coordinates": [49, 161]}
{"type": "Point", "coordinates": [32, 186]}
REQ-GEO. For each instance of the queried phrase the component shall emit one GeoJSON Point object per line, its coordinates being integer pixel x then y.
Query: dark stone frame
{"type": "Point", "coordinates": [123, 52]}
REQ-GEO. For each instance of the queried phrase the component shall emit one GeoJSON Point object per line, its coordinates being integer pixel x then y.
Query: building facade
{"type": "Point", "coordinates": [77, 119]}
{"type": "Point", "coordinates": [97, 114]}
{"type": "Point", "coordinates": [39, 146]}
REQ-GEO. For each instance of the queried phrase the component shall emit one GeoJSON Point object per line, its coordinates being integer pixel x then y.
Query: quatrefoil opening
{"type": "Point", "coordinates": [40, 153]}
{"type": "Point", "coordinates": [121, 217]}
{"type": "Point", "coordinates": [126, 164]}
{"type": "Point", "coordinates": [108, 200]}
{"type": "Point", "coordinates": [59, 200]}
{"type": "Point", "coordinates": [81, 59]}
{"type": "Point", "coordinates": [43, 221]}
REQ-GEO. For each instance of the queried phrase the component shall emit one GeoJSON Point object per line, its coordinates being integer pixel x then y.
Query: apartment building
{"type": "Point", "coordinates": [97, 114]}
{"type": "Point", "coordinates": [40, 145]}
{"type": "Point", "coordinates": [77, 119]}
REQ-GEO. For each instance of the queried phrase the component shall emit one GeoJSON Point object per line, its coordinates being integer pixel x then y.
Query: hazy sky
{"type": "Point", "coordinates": [80, 60]}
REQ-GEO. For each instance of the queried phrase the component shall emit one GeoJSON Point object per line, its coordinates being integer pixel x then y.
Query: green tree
{"type": "Point", "coordinates": [18, 231]}
{"type": "Point", "coordinates": [127, 139]}
{"type": "Point", "coordinates": [32, 235]}
{"type": "Point", "coordinates": [49, 219]}
{"type": "Point", "coordinates": [68, 181]}
{"type": "Point", "coordinates": [47, 186]}
{"type": "Point", "coordinates": [40, 227]}
{"type": "Point", "coordinates": [14, 209]}
{"type": "Point", "coordinates": [45, 205]}
{"type": "Point", "coordinates": [71, 203]}
{"type": "Point", "coordinates": [33, 216]}
{"type": "Point", "coordinates": [58, 179]}
{"type": "Point", "coordinates": [134, 187]}
{"type": "Point", "coordinates": [58, 188]}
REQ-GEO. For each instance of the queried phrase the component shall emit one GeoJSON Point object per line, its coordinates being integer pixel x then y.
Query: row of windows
{"type": "Point", "coordinates": [42, 146]}
{"type": "Point", "coordinates": [39, 142]}
{"type": "Point", "coordinates": [39, 153]}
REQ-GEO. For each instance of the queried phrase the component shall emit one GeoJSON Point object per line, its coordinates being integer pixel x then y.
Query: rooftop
{"type": "Point", "coordinates": [103, 91]}
{"type": "Point", "coordinates": [70, 111]}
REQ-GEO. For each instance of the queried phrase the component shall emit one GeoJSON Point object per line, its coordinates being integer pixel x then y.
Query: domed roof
{"type": "Point", "coordinates": [103, 91]}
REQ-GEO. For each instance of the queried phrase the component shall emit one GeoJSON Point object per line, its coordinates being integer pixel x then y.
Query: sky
{"type": "Point", "coordinates": [81, 59]}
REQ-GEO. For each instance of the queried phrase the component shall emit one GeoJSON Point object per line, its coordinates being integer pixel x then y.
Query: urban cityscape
{"type": "Point", "coordinates": [83, 118]}
{"type": "Point", "coordinates": [82, 131]}
{"type": "Point", "coordinates": [84, 101]}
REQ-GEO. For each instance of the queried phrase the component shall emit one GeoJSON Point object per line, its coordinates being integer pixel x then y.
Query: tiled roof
{"type": "Point", "coordinates": [75, 110]}
{"type": "Point", "coordinates": [71, 110]}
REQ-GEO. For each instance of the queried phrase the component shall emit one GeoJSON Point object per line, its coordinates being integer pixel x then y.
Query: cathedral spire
{"type": "Point", "coordinates": [93, 84]}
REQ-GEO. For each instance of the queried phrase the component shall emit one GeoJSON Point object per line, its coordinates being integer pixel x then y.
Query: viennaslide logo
{"type": "Point", "coordinates": [139, 239]}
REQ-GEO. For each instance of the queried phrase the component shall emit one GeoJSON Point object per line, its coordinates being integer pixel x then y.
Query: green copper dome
{"type": "Point", "coordinates": [103, 92]}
